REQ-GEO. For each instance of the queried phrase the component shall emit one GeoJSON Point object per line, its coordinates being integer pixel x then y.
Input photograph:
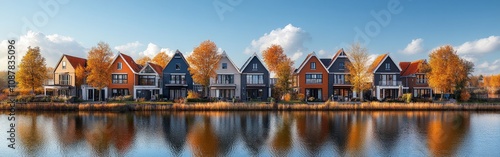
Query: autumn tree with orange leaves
{"type": "Point", "coordinates": [98, 61]}
{"type": "Point", "coordinates": [277, 62]}
{"type": "Point", "coordinates": [204, 61]}
{"type": "Point", "coordinates": [143, 60]}
{"type": "Point", "coordinates": [161, 59]}
{"type": "Point", "coordinates": [449, 73]}
{"type": "Point", "coordinates": [80, 75]}
{"type": "Point", "coordinates": [492, 83]}
{"type": "Point", "coordinates": [359, 76]}
{"type": "Point", "coordinates": [32, 70]}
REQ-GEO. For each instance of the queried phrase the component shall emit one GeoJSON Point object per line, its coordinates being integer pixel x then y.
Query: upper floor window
{"type": "Point", "coordinates": [387, 66]}
{"type": "Point", "coordinates": [341, 65]}
{"type": "Point", "coordinates": [255, 79]}
{"type": "Point", "coordinates": [225, 79]}
{"type": "Point", "coordinates": [177, 79]}
{"type": "Point", "coordinates": [64, 65]}
{"type": "Point", "coordinates": [119, 66]}
{"type": "Point", "coordinates": [177, 66]}
{"type": "Point", "coordinates": [254, 67]}
{"type": "Point", "coordinates": [120, 78]}
{"type": "Point", "coordinates": [421, 79]}
{"type": "Point", "coordinates": [224, 65]}
{"type": "Point", "coordinates": [314, 78]}
{"type": "Point", "coordinates": [64, 79]}
{"type": "Point", "coordinates": [313, 65]}
{"type": "Point", "coordinates": [147, 80]}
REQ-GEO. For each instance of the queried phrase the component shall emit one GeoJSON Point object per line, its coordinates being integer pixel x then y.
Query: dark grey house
{"type": "Point", "coordinates": [176, 78]}
{"type": "Point", "coordinates": [339, 88]}
{"type": "Point", "coordinates": [386, 78]}
{"type": "Point", "coordinates": [254, 80]}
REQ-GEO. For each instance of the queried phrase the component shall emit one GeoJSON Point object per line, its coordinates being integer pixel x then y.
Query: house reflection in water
{"type": "Point", "coordinates": [255, 130]}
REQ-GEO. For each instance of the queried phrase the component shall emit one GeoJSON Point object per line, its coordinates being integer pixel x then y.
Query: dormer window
{"type": "Point", "coordinates": [254, 67]}
{"type": "Point", "coordinates": [119, 66]}
{"type": "Point", "coordinates": [224, 65]}
{"type": "Point", "coordinates": [313, 65]}
{"type": "Point", "coordinates": [387, 66]}
{"type": "Point", "coordinates": [64, 65]}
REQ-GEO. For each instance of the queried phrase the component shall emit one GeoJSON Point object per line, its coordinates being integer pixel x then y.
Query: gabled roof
{"type": "Point", "coordinates": [325, 61]}
{"type": "Point", "coordinates": [129, 61]}
{"type": "Point", "coordinates": [157, 68]}
{"type": "Point", "coordinates": [250, 59]}
{"type": "Point", "coordinates": [309, 56]}
{"type": "Point", "coordinates": [410, 68]}
{"type": "Point", "coordinates": [74, 61]}
{"type": "Point", "coordinates": [378, 61]}
{"type": "Point", "coordinates": [234, 65]}
{"type": "Point", "coordinates": [340, 53]}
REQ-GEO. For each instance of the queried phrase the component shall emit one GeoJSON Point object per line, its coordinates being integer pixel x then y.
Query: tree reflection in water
{"type": "Point", "coordinates": [243, 133]}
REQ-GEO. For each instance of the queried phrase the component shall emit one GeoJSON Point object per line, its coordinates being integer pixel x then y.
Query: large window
{"type": "Point", "coordinates": [119, 92]}
{"type": "Point", "coordinates": [224, 65]}
{"type": "Point", "coordinates": [255, 79]}
{"type": "Point", "coordinates": [388, 80]}
{"type": "Point", "coordinates": [64, 79]}
{"type": "Point", "coordinates": [120, 78]}
{"type": "Point", "coordinates": [314, 78]}
{"type": "Point", "coordinates": [254, 67]}
{"type": "Point", "coordinates": [313, 65]}
{"type": "Point", "coordinates": [421, 79]}
{"type": "Point", "coordinates": [340, 79]}
{"type": "Point", "coordinates": [387, 66]}
{"type": "Point", "coordinates": [147, 80]}
{"type": "Point", "coordinates": [225, 79]}
{"type": "Point", "coordinates": [177, 79]}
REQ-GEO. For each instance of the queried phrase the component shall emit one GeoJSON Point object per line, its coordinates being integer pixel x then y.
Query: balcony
{"type": "Point", "coordinates": [342, 83]}
{"type": "Point", "coordinates": [389, 83]}
{"type": "Point", "coordinates": [176, 83]}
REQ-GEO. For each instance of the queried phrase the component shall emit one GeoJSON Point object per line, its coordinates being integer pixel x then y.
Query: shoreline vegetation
{"type": "Point", "coordinates": [252, 106]}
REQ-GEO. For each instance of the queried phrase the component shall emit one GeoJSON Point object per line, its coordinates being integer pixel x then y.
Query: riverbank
{"type": "Point", "coordinates": [227, 106]}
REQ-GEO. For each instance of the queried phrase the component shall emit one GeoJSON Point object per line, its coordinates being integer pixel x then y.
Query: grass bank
{"type": "Point", "coordinates": [227, 106]}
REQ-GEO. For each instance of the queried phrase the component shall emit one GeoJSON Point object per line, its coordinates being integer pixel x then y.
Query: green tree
{"type": "Point", "coordinates": [32, 70]}
{"type": "Point", "coordinates": [98, 61]}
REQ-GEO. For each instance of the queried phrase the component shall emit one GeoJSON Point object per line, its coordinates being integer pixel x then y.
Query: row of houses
{"type": "Point", "coordinates": [327, 78]}
{"type": "Point", "coordinates": [320, 78]}
{"type": "Point", "coordinates": [250, 82]}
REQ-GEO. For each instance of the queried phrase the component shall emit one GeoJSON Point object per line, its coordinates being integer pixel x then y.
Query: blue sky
{"type": "Point", "coordinates": [241, 27]}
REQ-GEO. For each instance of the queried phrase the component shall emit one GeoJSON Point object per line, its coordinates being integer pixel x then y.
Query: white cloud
{"type": "Point", "coordinates": [129, 48]}
{"type": "Point", "coordinates": [487, 68]}
{"type": "Point", "coordinates": [469, 58]}
{"type": "Point", "coordinates": [134, 50]}
{"type": "Point", "coordinates": [321, 52]}
{"type": "Point", "coordinates": [481, 46]}
{"type": "Point", "coordinates": [52, 47]}
{"type": "Point", "coordinates": [291, 38]}
{"type": "Point", "coordinates": [414, 47]}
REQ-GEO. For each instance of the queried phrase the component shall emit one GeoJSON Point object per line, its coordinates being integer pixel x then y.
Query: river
{"type": "Point", "coordinates": [253, 134]}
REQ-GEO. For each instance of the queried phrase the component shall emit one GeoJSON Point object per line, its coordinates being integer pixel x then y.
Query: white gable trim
{"type": "Point", "coordinates": [120, 55]}
{"type": "Point", "coordinates": [383, 60]}
{"type": "Point", "coordinates": [307, 60]}
{"type": "Point", "coordinates": [148, 65]}
{"type": "Point", "coordinates": [250, 59]}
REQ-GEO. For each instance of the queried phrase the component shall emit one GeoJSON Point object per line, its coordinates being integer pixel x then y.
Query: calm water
{"type": "Point", "coordinates": [254, 134]}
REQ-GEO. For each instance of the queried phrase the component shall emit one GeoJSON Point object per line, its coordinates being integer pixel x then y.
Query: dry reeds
{"type": "Point", "coordinates": [227, 106]}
